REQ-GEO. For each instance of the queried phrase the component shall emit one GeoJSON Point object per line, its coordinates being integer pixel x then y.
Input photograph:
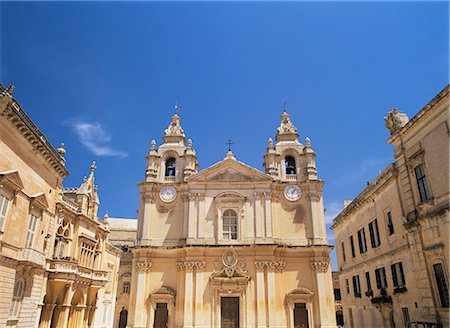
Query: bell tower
{"type": "Point", "coordinates": [288, 159]}
{"type": "Point", "coordinates": [173, 161]}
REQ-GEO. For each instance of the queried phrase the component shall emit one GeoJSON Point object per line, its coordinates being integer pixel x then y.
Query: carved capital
{"type": "Point", "coordinates": [199, 266]}
{"type": "Point", "coordinates": [149, 197]}
{"type": "Point", "coordinates": [189, 265]}
{"type": "Point", "coordinates": [201, 197]}
{"type": "Point", "coordinates": [260, 265]}
{"type": "Point", "coordinates": [314, 195]}
{"type": "Point", "coordinates": [142, 265]}
{"type": "Point", "coordinates": [258, 195]}
{"type": "Point", "coordinates": [320, 265]}
{"type": "Point", "coordinates": [192, 196]}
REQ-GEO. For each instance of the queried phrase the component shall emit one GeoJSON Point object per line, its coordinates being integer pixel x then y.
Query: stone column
{"type": "Point", "coordinates": [199, 289]}
{"type": "Point", "coordinates": [268, 214]}
{"type": "Point", "coordinates": [201, 216]}
{"type": "Point", "coordinates": [258, 219]}
{"type": "Point", "coordinates": [142, 267]}
{"type": "Point", "coordinates": [189, 295]}
{"type": "Point", "coordinates": [261, 294]}
{"type": "Point", "coordinates": [191, 218]}
{"type": "Point", "coordinates": [324, 288]}
{"type": "Point", "coordinates": [317, 216]}
{"type": "Point", "coordinates": [185, 197]}
{"type": "Point", "coordinates": [149, 199]}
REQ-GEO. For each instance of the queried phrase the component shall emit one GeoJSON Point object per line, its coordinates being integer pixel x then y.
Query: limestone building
{"type": "Point", "coordinates": [57, 268]}
{"type": "Point", "coordinates": [392, 240]}
{"type": "Point", "coordinates": [229, 246]}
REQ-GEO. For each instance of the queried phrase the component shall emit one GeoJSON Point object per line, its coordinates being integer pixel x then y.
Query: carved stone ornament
{"type": "Point", "coordinates": [286, 125]}
{"type": "Point", "coordinates": [277, 266]}
{"type": "Point", "coordinates": [395, 120]}
{"type": "Point", "coordinates": [143, 265]}
{"type": "Point", "coordinates": [314, 196]}
{"type": "Point", "coordinates": [230, 269]}
{"type": "Point", "coordinates": [191, 265]}
{"type": "Point", "coordinates": [174, 127]}
{"type": "Point", "coordinates": [149, 197]}
{"type": "Point", "coordinates": [320, 265]}
{"type": "Point", "coordinates": [258, 195]}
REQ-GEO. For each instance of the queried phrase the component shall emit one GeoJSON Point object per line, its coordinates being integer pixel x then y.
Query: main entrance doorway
{"type": "Point", "coordinates": [229, 312]}
{"type": "Point", "coordinates": [161, 315]}
{"type": "Point", "coordinates": [300, 316]}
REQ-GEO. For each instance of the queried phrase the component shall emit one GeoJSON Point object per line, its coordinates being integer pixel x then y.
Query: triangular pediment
{"type": "Point", "coordinates": [230, 170]}
{"type": "Point", "coordinates": [39, 200]}
{"type": "Point", "coordinates": [12, 178]}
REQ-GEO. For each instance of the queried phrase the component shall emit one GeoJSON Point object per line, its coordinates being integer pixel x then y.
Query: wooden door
{"type": "Point", "coordinates": [229, 312]}
{"type": "Point", "coordinates": [300, 316]}
{"type": "Point", "coordinates": [161, 315]}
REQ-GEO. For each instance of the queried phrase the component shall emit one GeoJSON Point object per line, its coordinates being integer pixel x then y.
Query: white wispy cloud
{"type": "Point", "coordinates": [332, 210]}
{"type": "Point", "coordinates": [95, 138]}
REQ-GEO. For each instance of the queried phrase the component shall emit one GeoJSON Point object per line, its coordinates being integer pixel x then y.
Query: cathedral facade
{"type": "Point", "coordinates": [229, 246]}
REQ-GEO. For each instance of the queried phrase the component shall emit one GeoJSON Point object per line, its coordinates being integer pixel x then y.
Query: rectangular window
{"type": "Point", "coordinates": [380, 275]}
{"type": "Point", "coordinates": [368, 283]}
{"type": "Point", "coordinates": [337, 294]}
{"type": "Point", "coordinates": [422, 183]}
{"type": "Point", "coordinates": [347, 286]}
{"type": "Point", "coordinates": [4, 204]}
{"type": "Point", "coordinates": [126, 288]}
{"type": "Point", "coordinates": [352, 245]}
{"type": "Point", "coordinates": [350, 318]}
{"type": "Point", "coordinates": [343, 251]}
{"type": "Point", "coordinates": [390, 225]}
{"type": "Point", "coordinates": [356, 286]}
{"type": "Point", "coordinates": [362, 241]}
{"type": "Point", "coordinates": [374, 234]}
{"type": "Point", "coordinates": [86, 255]}
{"type": "Point", "coordinates": [406, 319]}
{"type": "Point", "coordinates": [398, 278]}
{"type": "Point", "coordinates": [441, 283]}
{"type": "Point", "coordinates": [31, 231]}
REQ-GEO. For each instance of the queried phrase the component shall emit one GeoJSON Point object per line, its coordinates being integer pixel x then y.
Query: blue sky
{"type": "Point", "coordinates": [103, 78]}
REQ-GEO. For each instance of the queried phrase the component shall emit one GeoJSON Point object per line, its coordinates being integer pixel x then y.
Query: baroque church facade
{"type": "Point", "coordinates": [228, 246]}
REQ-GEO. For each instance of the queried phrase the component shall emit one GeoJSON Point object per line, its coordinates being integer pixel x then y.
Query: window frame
{"type": "Point", "coordinates": [368, 282]}
{"type": "Point", "coordinates": [381, 279]}
{"type": "Point", "coordinates": [352, 246]}
{"type": "Point", "coordinates": [441, 285]}
{"type": "Point", "coordinates": [17, 298]}
{"type": "Point", "coordinates": [286, 165]}
{"type": "Point", "coordinates": [5, 206]}
{"type": "Point", "coordinates": [230, 232]}
{"type": "Point", "coordinates": [362, 241]}
{"type": "Point", "coordinates": [356, 286]}
{"type": "Point", "coordinates": [374, 234]}
{"type": "Point", "coordinates": [172, 169]}
{"type": "Point", "coordinates": [422, 183]}
{"type": "Point", "coordinates": [390, 223]}
{"type": "Point", "coordinates": [398, 275]}
{"type": "Point", "coordinates": [30, 236]}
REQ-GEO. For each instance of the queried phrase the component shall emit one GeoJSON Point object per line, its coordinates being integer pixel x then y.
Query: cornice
{"type": "Point", "coordinates": [25, 126]}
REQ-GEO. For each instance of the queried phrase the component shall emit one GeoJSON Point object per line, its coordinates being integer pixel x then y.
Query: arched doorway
{"type": "Point", "coordinates": [123, 317]}
{"type": "Point", "coordinates": [76, 311]}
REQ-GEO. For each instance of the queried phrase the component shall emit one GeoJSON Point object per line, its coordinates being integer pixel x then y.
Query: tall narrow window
{"type": "Point", "coordinates": [389, 223]}
{"type": "Point", "coordinates": [422, 183]}
{"type": "Point", "coordinates": [368, 282]}
{"type": "Point", "coordinates": [17, 298]}
{"type": "Point", "coordinates": [356, 286]}
{"type": "Point", "coordinates": [4, 204]}
{"type": "Point", "coordinates": [380, 275]}
{"type": "Point", "coordinates": [337, 294]}
{"type": "Point", "coordinates": [374, 234]}
{"type": "Point", "coordinates": [230, 225]}
{"type": "Point", "coordinates": [126, 288]}
{"type": "Point", "coordinates": [362, 241]}
{"type": "Point", "coordinates": [347, 286]}
{"type": "Point", "coordinates": [352, 245]}
{"type": "Point", "coordinates": [290, 165]}
{"type": "Point", "coordinates": [406, 318]}
{"type": "Point", "coordinates": [171, 165]}
{"type": "Point", "coordinates": [343, 251]}
{"type": "Point", "coordinates": [441, 283]}
{"type": "Point", "coordinates": [398, 278]}
{"type": "Point", "coordinates": [31, 231]}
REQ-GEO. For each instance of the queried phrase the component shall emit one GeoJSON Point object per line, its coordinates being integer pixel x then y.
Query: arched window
{"type": "Point", "coordinates": [171, 164]}
{"type": "Point", "coordinates": [230, 225]}
{"type": "Point", "coordinates": [290, 165]}
{"type": "Point", "coordinates": [62, 239]}
{"type": "Point", "coordinates": [17, 298]}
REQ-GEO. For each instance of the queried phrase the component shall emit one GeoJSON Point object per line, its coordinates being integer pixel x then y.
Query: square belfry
{"type": "Point", "coordinates": [229, 246]}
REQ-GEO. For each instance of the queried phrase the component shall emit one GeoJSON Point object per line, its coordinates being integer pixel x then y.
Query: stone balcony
{"type": "Point", "coordinates": [169, 179]}
{"type": "Point", "coordinates": [63, 267]}
{"type": "Point", "coordinates": [32, 257]}
{"type": "Point", "coordinates": [291, 177]}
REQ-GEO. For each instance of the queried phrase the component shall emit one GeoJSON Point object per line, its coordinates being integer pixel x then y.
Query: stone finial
{"type": "Point", "coordinates": [153, 145]}
{"type": "Point", "coordinates": [106, 216]}
{"type": "Point", "coordinates": [10, 89]}
{"type": "Point", "coordinates": [395, 120]}
{"type": "Point", "coordinates": [286, 131]}
{"type": "Point", "coordinates": [307, 142]}
{"type": "Point", "coordinates": [270, 142]}
{"type": "Point", "coordinates": [93, 166]}
{"type": "Point", "coordinates": [174, 128]}
{"type": "Point", "coordinates": [230, 155]}
{"type": "Point", "coordinates": [190, 143]}
{"type": "Point", "coordinates": [61, 150]}
{"type": "Point", "coordinates": [84, 179]}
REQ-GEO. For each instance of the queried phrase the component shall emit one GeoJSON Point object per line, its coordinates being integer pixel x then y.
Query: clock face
{"type": "Point", "coordinates": [292, 192]}
{"type": "Point", "coordinates": [168, 194]}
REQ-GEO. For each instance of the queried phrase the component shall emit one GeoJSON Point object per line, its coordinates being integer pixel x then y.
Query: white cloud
{"type": "Point", "coordinates": [96, 139]}
{"type": "Point", "coordinates": [332, 210]}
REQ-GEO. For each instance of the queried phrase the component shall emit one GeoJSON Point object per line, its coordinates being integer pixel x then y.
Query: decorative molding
{"type": "Point", "coordinates": [320, 265]}
{"type": "Point", "coordinates": [142, 265]}
{"type": "Point", "coordinates": [192, 196]}
{"type": "Point", "coordinates": [201, 197]}
{"type": "Point", "coordinates": [277, 266]}
{"type": "Point", "coordinates": [258, 195]}
{"type": "Point", "coordinates": [314, 195]}
{"type": "Point", "coordinates": [275, 196]}
{"type": "Point", "coordinates": [190, 266]}
{"type": "Point", "coordinates": [149, 197]}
